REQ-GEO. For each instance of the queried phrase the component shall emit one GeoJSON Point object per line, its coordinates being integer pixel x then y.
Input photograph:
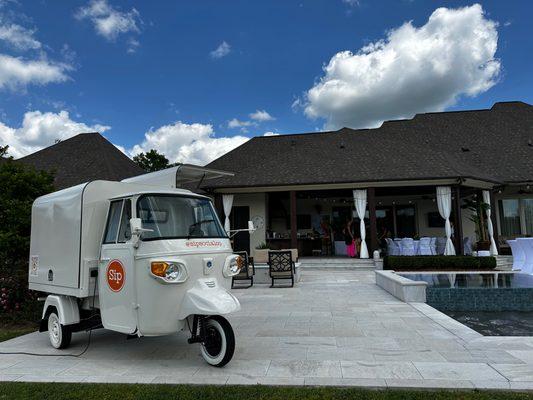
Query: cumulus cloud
{"type": "Point", "coordinates": [411, 70]}
{"type": "Point", "coordinates": [191, 143]}
{"type": "Point", "coordinates": [17, 72]}
{"type": "Point", "coordinates": [270, 134]}
{"type": "Point", "coordinates": [236, 123]}
{"type": "Point", "coordinates": [39, 130]}
{"type": "Point", "coordinates": [109, 21]}
{"type": "Point", "coordinates": [261, 116]}
{"type": "Point", "coordinates": [18, 37]}
{"type": "Point", "coordinates": [222, 50]}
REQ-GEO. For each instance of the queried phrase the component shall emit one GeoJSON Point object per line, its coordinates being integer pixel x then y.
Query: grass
{"type": "Point", "coordinates": [58, 391]}
{"type": "Point", "coordinates": [9, 330]}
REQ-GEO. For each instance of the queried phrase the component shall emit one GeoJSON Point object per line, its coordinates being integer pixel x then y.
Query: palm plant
{"type": "Point", "coordinates": [478, 209]}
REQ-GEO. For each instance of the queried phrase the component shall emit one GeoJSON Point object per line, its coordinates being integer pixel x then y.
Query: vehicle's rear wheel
{"type": "Point", "coordinates": [218, 342]}
{"type": "Point", "coordinates": [60, 335]}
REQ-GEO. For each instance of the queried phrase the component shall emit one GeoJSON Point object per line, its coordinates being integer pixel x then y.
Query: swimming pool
{"type": "Point", "coordinates": [480, 291]}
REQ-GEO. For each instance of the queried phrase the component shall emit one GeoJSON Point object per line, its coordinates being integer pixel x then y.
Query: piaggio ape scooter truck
{"type": "Point", "coordinates": [150, 258]}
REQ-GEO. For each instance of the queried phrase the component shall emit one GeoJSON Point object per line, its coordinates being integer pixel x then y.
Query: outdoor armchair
{"type": "Point", "coordinates": [281, 266]}
{"type": "Point", "coordinates": [247, 270]}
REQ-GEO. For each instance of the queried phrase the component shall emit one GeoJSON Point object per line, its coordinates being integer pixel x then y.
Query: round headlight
{"type": "Point", "coordinates": [173, 272]}
{"type": "Point", "coordinates": [232, 266]}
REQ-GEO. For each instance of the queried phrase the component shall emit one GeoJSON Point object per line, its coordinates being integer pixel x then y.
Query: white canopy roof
{"type": "Point", "coordinates": [175, 177]}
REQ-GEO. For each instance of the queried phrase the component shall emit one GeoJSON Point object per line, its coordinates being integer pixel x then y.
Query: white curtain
{"type": "Point", "coordinates": [493, 248]}
{"type": "Point", "coordinates": [359, 197]}
{"type": "Point", "coordinates": [444, 202]}
{"type": "Point", "coordinates": [227, 202]}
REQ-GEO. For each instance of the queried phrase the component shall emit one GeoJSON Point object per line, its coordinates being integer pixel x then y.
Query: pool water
{"type": "Point", "coordinates": [508, 323]}
{"type": "Point", "coordinates": [471, 281]}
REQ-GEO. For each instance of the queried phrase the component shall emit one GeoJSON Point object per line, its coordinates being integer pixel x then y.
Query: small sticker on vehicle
{"type": "Point", "coordinates": [34, 265]}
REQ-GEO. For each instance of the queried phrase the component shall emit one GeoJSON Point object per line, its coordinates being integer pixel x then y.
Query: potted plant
{"type": "Point", "coordinates": [261, 253]}
{"type": "Point", "coordinates": [478, 209]}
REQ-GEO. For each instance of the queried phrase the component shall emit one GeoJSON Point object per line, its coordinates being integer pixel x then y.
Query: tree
{"type": "Point", "coordinates": [3, 151]}
{"type": "Point", "coordinates": [20, 185]}
{"type": "Point", "coordinates": [151, 161]}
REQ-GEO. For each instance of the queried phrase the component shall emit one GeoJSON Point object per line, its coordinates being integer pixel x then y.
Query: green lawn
{"type": "Point", "coordinates": [58, 391]}
{"type": "Point", "coordinates": [10, 331]}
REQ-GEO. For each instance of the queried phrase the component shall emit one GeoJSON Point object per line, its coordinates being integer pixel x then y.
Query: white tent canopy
{"type": "Point", "coordinates": [359, 197]}
{"type": "Point", "coordinates": [444, 202]}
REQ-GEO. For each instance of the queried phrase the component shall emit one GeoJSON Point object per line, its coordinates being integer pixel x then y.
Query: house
{"type": "Point", "coordinates": [298, 188]}
{"type": "Point", "coordinates": [82, 158]}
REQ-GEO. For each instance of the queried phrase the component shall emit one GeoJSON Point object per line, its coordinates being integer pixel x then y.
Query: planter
{"type": "Point", "coordinates": [260, 256]}
{"type": "Point", "coordinates": [483, 245]}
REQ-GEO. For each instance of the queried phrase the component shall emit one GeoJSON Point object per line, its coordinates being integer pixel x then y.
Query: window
{"type": "Point", "coordinates": [405, 221]}
{"type": "Point", "coordinates": [175, 217]}
{"type": "Point", "coordinates": [528, 215]}
{"type": "Point", "coordinates": [124, 233]}
{"type": "Point", "coordinates": [510, 217]}
{"type": "Point", "coordinates": [112, 221]}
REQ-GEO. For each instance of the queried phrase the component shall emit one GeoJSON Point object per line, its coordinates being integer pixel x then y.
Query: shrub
{"type": "Point", "coordinates": [438, 263]}
{"type": "Point", "coordinates": [20, 185]}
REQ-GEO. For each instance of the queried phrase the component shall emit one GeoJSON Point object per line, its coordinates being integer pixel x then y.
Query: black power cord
{"type": "Point", "coordinates": [63, 355]}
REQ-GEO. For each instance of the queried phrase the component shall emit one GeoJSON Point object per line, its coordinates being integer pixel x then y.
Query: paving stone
{"type": "Point", "coordinates": [459, 371]}
{"type": "Point", "coordinates": [380, 370]}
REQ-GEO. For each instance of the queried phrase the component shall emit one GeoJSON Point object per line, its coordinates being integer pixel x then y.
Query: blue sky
{"type": "Point", "coordinates": [181, 71]}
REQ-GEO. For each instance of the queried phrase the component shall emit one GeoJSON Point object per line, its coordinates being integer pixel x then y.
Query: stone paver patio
{"type": "Point", "coordinates": [336, 327]}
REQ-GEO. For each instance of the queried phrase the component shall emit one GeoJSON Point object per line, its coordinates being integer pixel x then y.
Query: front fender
{"type": "Point", "coordinates": [67, 310]}
{"type": "Point", "coordinates": [207, 298]}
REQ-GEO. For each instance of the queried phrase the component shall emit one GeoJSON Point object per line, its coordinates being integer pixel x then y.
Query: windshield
{"type": "Point", "coordinates": [178, 217]}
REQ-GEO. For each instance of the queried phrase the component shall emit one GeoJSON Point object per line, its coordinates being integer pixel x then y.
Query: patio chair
{"type": "Point", "coordinates": [467, 246]}
{"type": "Point", "coordinates": [519, 257]}
{"type": "Point", "coordinates": [247, 271]}
{"type": "Point", "coordinates": [392, 247]}
{"type": "Point", "coordinates": [433, 246]}
{"type": "Point", "coordinates": [281, 266]}
{"type": "Point", "coordinates": [424, 246]}
{"type": "Point", "coordinates": [398, 243]}
{"type": "Point", "coordinates": [527, 247]}
{"type": "Point", "coordinates": [408, 247]}
{"type": "Point", "coordinates": [441, 245]}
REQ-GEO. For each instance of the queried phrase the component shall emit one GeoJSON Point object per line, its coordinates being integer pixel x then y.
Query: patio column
{"type": "Point", "coordinates": [458, 221]}
{"type": "Point", "coordinates": [490, 228]}
{"type": "Point", "coordinates": [371, 197]}
{"type": "Point", "coordinates": [294, 227]}
{"type": "Point", "coordinates": [360, 197]}
{"type": "Point", "coordinates": [444, 203]}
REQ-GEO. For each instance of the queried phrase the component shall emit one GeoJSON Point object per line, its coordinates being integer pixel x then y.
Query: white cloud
{"type": "Point", "coordinates": [411, 70]}
{"type": "Point", "coordinates": [270, 134]}
{"type": "Point", "coordinates": [18, 37]}
{"type": "Point", "coordinates": [108, 21]}
{"type": "Point", "coordinates": [18, 72]}
{"type": "Point", "coordinates": [191, 143]}
{"type": "Point", "coordinates": [351, 3]}
{"type": "Point", "coordinates": [133, 45]}
{"type": "Point", "coordinates": [40, 130]}
{"type": "Point", "coordinates": [235, 123]}
{"type": "Point", "coordinates": [222, 50]}
{"type": "Point", "coordinates": [261, 116]}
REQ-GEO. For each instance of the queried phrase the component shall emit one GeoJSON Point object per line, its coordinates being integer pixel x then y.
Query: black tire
{"type": "Point", "coordinates": [60, 335]}
{"type": "Point", "coordinates": [219, 341]}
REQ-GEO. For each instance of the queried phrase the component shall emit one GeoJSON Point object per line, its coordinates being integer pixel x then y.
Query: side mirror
{"type": "Point", "coordinates": [137, 230]}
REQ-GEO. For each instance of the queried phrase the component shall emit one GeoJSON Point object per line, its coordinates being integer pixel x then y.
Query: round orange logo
{"type": "Point", "coordinates": [115, 275]}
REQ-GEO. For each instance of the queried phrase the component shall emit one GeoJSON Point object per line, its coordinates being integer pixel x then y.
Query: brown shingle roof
{"type": "Point", "coordinates": [82, 158]}
{"type": "Point", "coordinates": [493, 145]}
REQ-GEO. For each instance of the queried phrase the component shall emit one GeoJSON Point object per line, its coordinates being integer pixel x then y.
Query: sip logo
{"type": "Point", "coordinates": [115, 275]}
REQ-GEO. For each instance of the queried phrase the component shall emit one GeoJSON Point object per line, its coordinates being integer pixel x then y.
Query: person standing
{"type": "Point", "coordinates": [349, 239]}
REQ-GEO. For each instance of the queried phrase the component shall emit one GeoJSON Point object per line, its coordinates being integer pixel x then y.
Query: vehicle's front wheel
{"type": "Point", "coordinates": [218, 342]}
{"type": "Point", "coordinates": [59, 334]}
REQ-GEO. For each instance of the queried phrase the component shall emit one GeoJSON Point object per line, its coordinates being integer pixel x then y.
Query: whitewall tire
{"type": "Point", "coordinates": [59, 334]}
{"type": "Point", "coordinates": [219, 341]}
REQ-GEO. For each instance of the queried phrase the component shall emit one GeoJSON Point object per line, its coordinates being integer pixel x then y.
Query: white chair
{"type": "Point", "coordinates": [467, 246]}
{"type": "Point", "coordinates": [441, 245]}
{"type": "Point", "coordinates": [398, 242]}
{"type": "Point", "coordinates": [417, 244]}
{"type": "Point", "coordinates": [392, 248]}
{"type": "Point", "coordinates": [433, 246]}
{"type": "Point", "coordinates": [519, 257]}
{"type": "Point", "coordinates": [424, 246]}
{"type": "Point", "coordinates": [407, 247]}
{"type": "Point", "coordinates": [527, 247]}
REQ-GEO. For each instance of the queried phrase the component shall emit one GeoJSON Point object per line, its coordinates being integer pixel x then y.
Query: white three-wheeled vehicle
{"type": "Point", "coordinates": [140, 257]}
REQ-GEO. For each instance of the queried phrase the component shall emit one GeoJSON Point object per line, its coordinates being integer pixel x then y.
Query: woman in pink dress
{"type": "Point", "coordinates": [349, 239]}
